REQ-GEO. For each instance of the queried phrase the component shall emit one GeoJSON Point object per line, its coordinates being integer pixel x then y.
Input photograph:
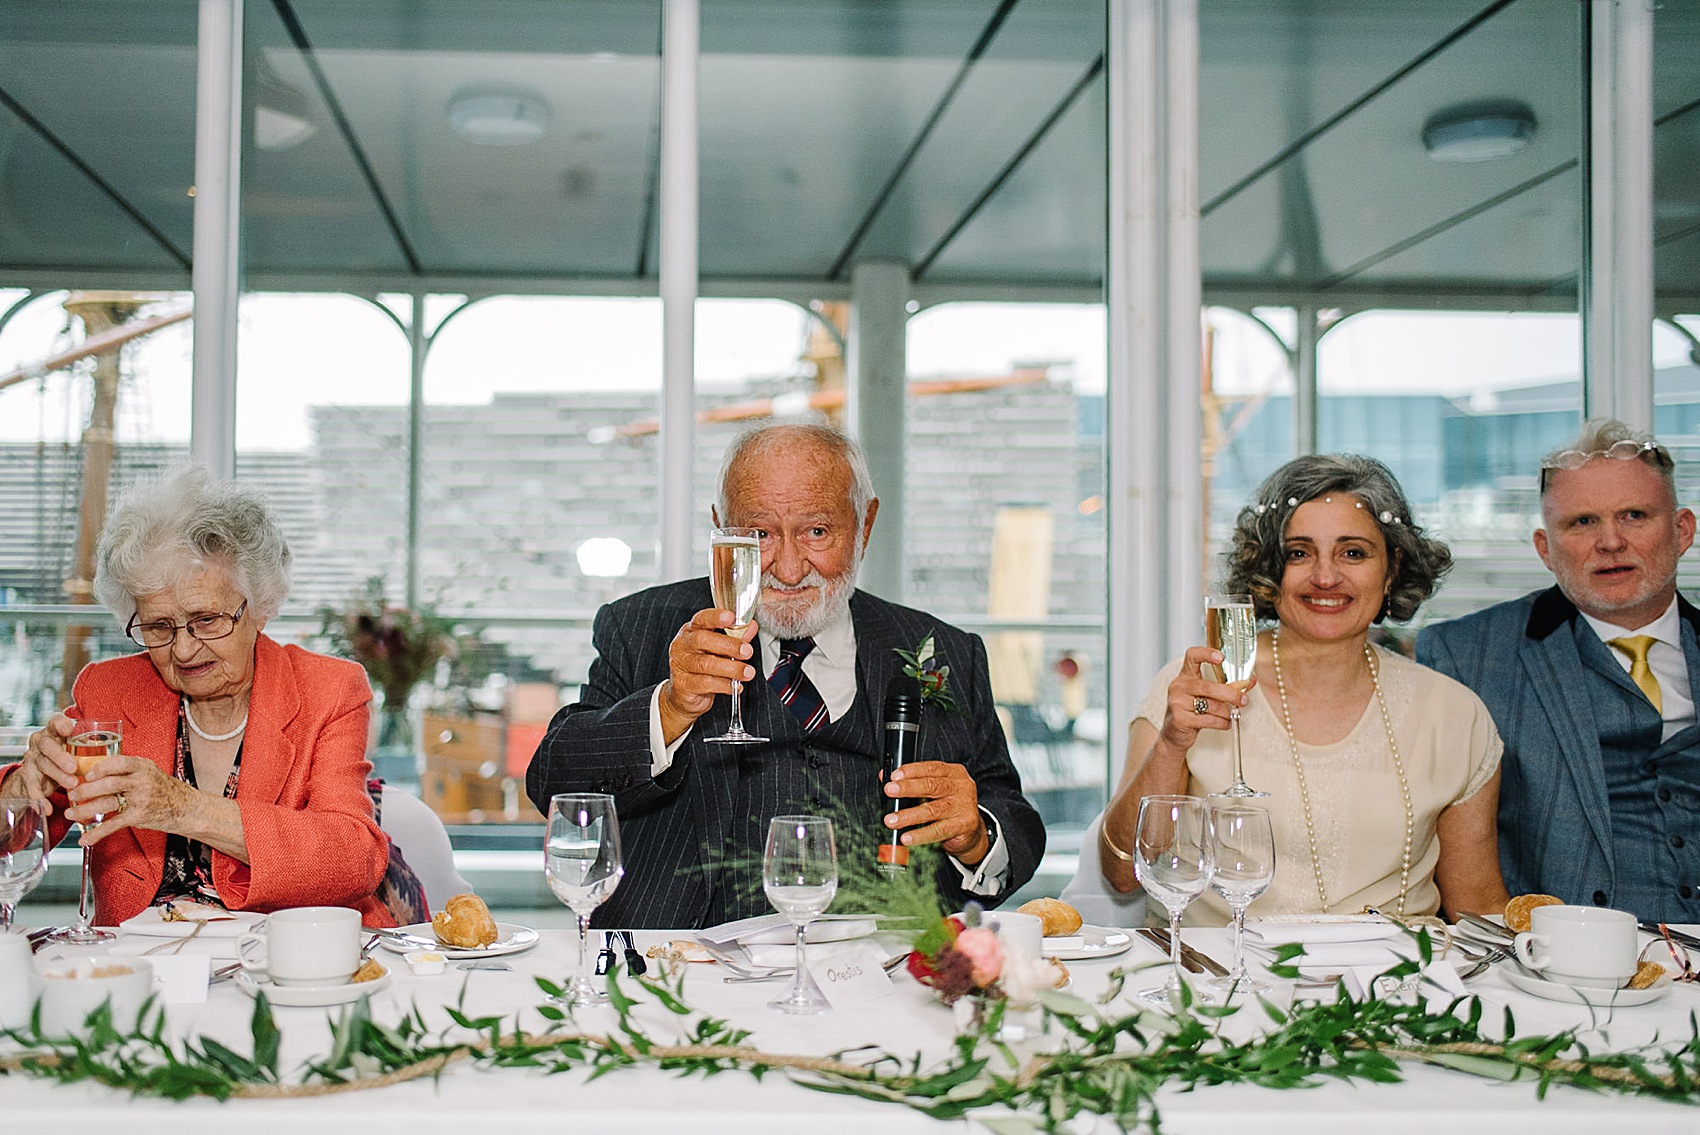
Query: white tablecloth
{"type": "Point", "coordinates": [630, 1102]}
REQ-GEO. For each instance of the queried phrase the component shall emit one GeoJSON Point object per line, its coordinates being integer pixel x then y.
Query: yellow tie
{"type": "Point", "coordinates": [1636, 647]}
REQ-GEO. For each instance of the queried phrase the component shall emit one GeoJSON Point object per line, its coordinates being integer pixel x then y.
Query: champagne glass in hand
{"type": "Point", "coordinates": [1230, 621]}
{"type": "Point", "coordinates": [582, 861]}
{"type": "Point", "coordinates": [1172, 859]}
{"type": "Point", "coordinates": [23, 852]}
{"type": "Point", "coordinates": [1243, 850]}
{"type": "Point", "coordinates": [91, 742]}
{"type": "Point", "coordinates": [735, 576]}
{"type": "Point", "coordinates": [799, 872]}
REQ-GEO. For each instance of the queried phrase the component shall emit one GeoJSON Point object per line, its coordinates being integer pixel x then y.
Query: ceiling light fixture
{"type": "Point", "coordinates": [506, 116]}
{"type": "Point", "coordinates": [1479, 131]}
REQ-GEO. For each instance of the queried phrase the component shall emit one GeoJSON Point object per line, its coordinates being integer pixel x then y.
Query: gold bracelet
{"type": "Point", "coordinates": [1104, 836]}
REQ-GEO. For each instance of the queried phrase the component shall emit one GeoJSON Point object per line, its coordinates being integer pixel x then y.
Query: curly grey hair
{"type": "Point", "coordinates": [164, 529]}
{"type": "Point", "coordinates": [759, 441]}
{"type": "Point", "coordinates": [1257, 559]}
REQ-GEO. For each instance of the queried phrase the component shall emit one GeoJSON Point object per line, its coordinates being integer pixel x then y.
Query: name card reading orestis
{"type": "Point", "coordinates": [851, 975]}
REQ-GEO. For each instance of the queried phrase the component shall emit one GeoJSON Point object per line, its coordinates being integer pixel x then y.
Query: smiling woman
{"type": "Point", "coordinates": [1384, 775]}
{"type": "Point", "coordinates": [242, 781]}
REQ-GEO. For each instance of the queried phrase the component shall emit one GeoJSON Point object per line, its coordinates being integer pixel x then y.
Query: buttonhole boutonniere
{"type": "Point", "coordinates": [922, 665]}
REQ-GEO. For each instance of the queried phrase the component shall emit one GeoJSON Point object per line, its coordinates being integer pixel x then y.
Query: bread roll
{"type": "Point", "coordinates": [1517, 910]}
{"type": "Point", "coordinates": [465, 923]}
{"type": "Point", "coordinates": [1058, 917]}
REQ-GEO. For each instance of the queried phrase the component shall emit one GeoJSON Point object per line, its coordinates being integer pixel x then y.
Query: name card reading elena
{"type": "Point", "coordinates": [851, 975]}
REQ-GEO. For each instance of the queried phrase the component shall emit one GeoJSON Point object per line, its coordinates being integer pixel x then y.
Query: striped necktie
{"type": "Point", "coordinates": [795, 691]}
{"type": "Point", "coordinates": [1636, 647]}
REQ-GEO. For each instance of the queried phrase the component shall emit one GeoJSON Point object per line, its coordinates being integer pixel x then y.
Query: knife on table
{"type": "Point", "coordinates": [1492, 929]}
{"type": "Point", "coordinates": [1193, 959]}
{"type": "Point", "coordinates": [1678, 936]}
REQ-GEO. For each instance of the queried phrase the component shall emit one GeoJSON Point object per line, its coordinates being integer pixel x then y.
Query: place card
{"type": "Point", "coordinates": [854, 975]}
{"type": "Point", "coordinates": [181, 979]}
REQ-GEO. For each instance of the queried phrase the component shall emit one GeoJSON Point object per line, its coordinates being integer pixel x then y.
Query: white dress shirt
{"type": "Point", "coordinates": [1664, 658]}
{"type": "Point", "coordinates": [831, 666]}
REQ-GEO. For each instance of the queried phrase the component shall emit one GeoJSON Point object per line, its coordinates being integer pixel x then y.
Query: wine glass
{"type": "Point", "coordinates": [91, 742]}
{"type": "Point", "coordinates": [734, 563]}
{"type": "Point", "coordinates": [1230, 621]}
{"type": "Point", "coordinates": [23, 852]}
{"type": "Point", "coordinates": [799, 872]}
{"type": "Point", "coordinates": [1242, 847]}
{"type": "Point", "coordinates": [581, 857]}
{"type": "Point", "coordinates": [1172, 859]}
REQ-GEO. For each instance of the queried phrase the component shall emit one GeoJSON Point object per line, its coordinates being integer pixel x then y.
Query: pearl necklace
{"type": "Point", "coordinates": [1304, 794]}
{"type": "Point", "coordinates": [204, 735]}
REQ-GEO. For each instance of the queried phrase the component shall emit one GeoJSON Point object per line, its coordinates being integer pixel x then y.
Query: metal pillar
{"type": "Point", "coordinates": [216, 273]}
{"type": "Point", "coordinates": [418, 343]}
{"type": "Point", "coordinates": [877, 410]}
{"type": "Point", "coordinates": [1617, 285]}
{"type": "Point", "coordinates": [1306, 336]}
{"type": "Point", "coordinates": [678, 266]}
{"type": "Point", "coordinates": [1155, 419]}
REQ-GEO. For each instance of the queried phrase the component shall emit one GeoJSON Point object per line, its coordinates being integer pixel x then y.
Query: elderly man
{"type": "Point", "coordinates": [694, 812]}
{"type": "Point", "coordinates": [1592, 685]}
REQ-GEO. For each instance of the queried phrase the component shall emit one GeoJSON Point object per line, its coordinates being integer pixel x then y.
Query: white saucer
{"type": "Point", "coordinates": [1101, 942]}
{"type": "Point", "coordinates": [310, 996]}
{"type": "Point", "coordinates": [1582, 994]}
{"type": "Point", "coordinates": [510, 939]}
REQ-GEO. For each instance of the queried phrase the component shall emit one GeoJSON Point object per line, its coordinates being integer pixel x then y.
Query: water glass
{"type": "Point", "coordinates": [1242, 843]}
{"type": "Point", "coordinates": [23, 852]}
{"type": "Point", "coordinates": [1172, 859]}
{"type": "Point", "coordinates": [799, 872]}
{"type": "Point", "coordinates": [582, 862]}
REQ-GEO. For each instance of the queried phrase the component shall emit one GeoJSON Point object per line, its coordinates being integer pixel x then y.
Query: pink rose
{"type": "Point", "coordinates": [984, 953]}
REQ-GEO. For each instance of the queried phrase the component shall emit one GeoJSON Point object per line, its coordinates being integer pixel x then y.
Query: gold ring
{"type": "Point", "coordinates": [1201, 705]}
{"type": "Point", "coordinates": [122, 804]}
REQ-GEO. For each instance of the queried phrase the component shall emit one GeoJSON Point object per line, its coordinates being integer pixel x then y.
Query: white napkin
{"type": "Point", "coordinates": [775, 956]}
{"type": "Point", "coordinates": [1336, 955]}
{"type": "Point", "coordinates": [1280, 932]}
{"type": "Point", "coordinates": [220, 923]}
{"type": "Point", "coordinates": [773, 928]}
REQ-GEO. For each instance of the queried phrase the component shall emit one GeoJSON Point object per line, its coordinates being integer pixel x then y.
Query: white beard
{"type": "Point", "coordinates": [832, 600]}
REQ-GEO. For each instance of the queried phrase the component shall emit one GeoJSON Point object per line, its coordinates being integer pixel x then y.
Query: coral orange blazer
{"type": "Point", "coordinates": [306, 816]}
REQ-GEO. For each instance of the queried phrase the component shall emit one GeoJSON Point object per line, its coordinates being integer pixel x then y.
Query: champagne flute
{"type": "Point", "coordinates": [1243, 849]}
{"type": "Point", "coordinates": [735, 577]}
{"type": "Point", "coordinates": [1172, 859]}
{"type": "Point", "coordinates": [581, 857]}
{"type": "Point", "coordinates": [91, 742]}
{"type": "Point", "coordinates": [799, 872]}
{"type": "Point", "coordinates": [1230, 621]}
{"type": "Point", "coordinates": [23, 852]}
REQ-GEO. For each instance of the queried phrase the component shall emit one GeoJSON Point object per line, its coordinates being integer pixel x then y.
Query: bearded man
{"type": "Point", "coordinates": [694, 812]}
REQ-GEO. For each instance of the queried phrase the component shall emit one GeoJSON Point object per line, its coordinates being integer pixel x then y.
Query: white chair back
{"type": "Point", "coordinates": [420, 835]}
{"type": "Point", "coordinates": [1099, 903]}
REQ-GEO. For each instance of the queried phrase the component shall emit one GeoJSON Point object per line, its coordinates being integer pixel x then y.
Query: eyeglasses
{"type": "Point", "coordinates": [1678, 955]}
{"type": "Point", "coordinates": [208, 627]}
{"type": "Point", "coordinates": [1626, 450]}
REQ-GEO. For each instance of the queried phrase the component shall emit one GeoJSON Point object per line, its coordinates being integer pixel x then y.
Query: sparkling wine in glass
{"type": "Point", "coordinates": [581, 858]}
{"type": "Point", "coordinates": [734, 574]}
{"type": "Point", "coordinates": [799, 872]}
{"type": "Point", "coordinates": [1172, 859]}
{"type": "Point", "coordinates": [23, 852]}
{"type": "Point", "coordinates": [1231, 624]}
{"type": "Point", "coordinates": [1242, 843]}
{"type": "Point", "coordinates": [91, 742]}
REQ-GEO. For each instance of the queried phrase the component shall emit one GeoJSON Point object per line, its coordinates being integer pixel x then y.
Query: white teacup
{"type": "Point", "coordinates": [1024, 932]}
{"type": "Point", "coordinates": [306, 945]}
{"type": "Point", "coordinates": [72, 988]}
{"type": "Point", "coordinates": [1580, 945]}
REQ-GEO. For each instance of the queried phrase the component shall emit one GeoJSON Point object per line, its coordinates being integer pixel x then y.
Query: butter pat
{"type": "Point", "coordinates": [427, 963]}
{"type": "Point", "coordinates": [1065, 942]}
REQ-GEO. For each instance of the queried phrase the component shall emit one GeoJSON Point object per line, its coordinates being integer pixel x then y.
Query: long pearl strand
{"type": "Point", "coordinates": [1304, 793]}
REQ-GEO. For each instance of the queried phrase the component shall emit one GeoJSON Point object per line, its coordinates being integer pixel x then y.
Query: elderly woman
{"type": "Point", "coordinates": [1383, 775]}
{"type": "Point", "coordinates": [243, 775]}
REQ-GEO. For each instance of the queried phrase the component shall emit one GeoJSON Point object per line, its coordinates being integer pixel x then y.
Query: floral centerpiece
{"type": "Point", "coordinates": [960, 958]}
{"type": "Point", "coordinates": [396, 646]}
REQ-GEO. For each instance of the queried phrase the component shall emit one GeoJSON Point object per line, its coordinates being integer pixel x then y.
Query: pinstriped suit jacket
{"type": "Point", "coordinates": [1555, 831]}
{"type": "Point", "coordinates": [675, 828]}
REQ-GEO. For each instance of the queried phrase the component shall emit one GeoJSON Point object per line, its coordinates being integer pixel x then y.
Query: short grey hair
{"type": "Point", "coordinates": [1599, 435]}
{"type": "Point", "coordinates": [163, 529]}
{"type": "Point", "coordinates": [763, 439]}
{"type": "Point", "coordinates": [1258, 560]}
